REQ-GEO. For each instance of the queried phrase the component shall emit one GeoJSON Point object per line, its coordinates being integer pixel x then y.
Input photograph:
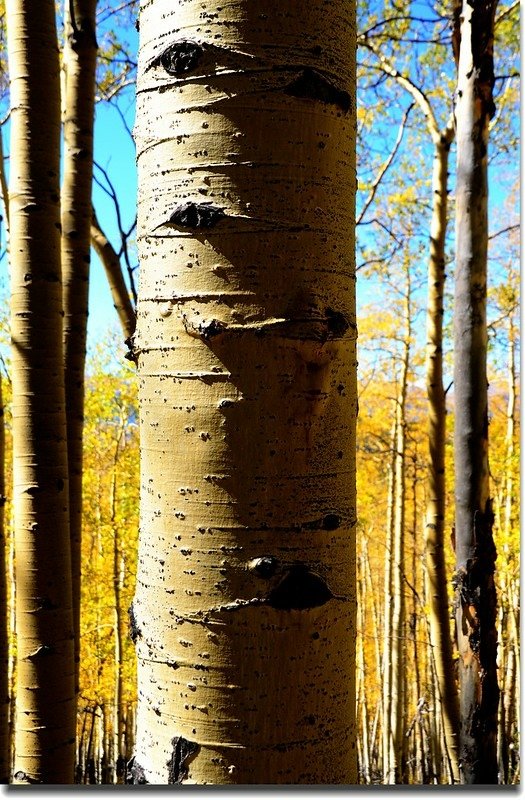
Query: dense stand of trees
{"type": "Point", "coordinates": [239, 595]}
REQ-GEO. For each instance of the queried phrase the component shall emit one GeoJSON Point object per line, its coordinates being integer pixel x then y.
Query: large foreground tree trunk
{"type": "Point", "coordinates": [475, 550]}
{"type": "Point", "coordinates": [45, 696]}
{"type": "Point", "coordinates": [244, 612]}
{"type": "Point", "coordinates": [80, 57]}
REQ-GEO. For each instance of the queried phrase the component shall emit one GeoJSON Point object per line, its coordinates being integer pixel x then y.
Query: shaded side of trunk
{"type": "Point", "coordinates": [80, 54]}
{"type": "Point", "coordinates": [475, 550]}
{"type": "Point", "coordinates": [244, 611]}
{"type": "Point", "coordinates": [45, 694]}
{"type": "Point", "coordinates": [5, 707]}
{"type": "Point", "coordinates": [435, 513]}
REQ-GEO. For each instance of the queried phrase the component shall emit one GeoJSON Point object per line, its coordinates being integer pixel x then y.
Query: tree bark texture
{"type": "Point", "coordinates": [475, 550]}
{"type": "Point", "coordinates": [437, 411]}
{"type": "Point", "coordinates": [45, 696]}
{"type": "Point", "coordinates": [244, 612]}
{"type": "Point", "coordinates": [80, 58]}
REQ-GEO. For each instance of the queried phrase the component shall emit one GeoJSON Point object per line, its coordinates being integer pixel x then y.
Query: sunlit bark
{"type": "Point", "coordinates": [45, 697]}
{"type": "Point", "coordinates": [243, 616]}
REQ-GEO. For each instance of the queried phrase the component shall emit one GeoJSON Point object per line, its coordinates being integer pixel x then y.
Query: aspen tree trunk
{"type": "Point", "coordinates": [509, 519]}
{"type": "Point", "coordinates": [117, 585]}
{"type": "Point", "coordinates": [45, 696]}
{"type": "Point", "coordinates": [243, 616]}
{"type": "Point", "coordinates": [398, 554]}
{"type": "Point", "coordinates": [387, 731]}
{"type": "Point", "coordinates": [5, 707]}
{"type": "Point", "coordinates": [475, 550]}
{"type": "Point", "coordinates": [80, 57]}
{"type": "Point", "coordinates": [435, 513]}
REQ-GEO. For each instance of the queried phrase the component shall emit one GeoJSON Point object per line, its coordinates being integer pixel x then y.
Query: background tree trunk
{"type": "Point", "coordinates": [244, 612]}
{"type": "Point", "coordinates": [45, 696]}
{"type": "Point", "coordinates": [398, 554]}
{"type": "Point", "coordinates": [80, 58]}
{"type": "Point", "coordinates": [439, 612]}
{"type": "Point", "coordinates": [475, 550]}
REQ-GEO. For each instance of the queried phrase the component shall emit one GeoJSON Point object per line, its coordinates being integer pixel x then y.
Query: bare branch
{"type": "Point", "coordinates": [385, 167]}
{"type": "Point", "coordinates": [117, 285]}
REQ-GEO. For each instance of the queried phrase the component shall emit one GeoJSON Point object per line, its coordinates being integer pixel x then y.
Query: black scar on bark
{"type": "Point", "coordinates": [131, 355]}
{"type": "Point", "coordinates": [265, 566]}
{"type": "Point", "coordinates": [181, 57]}
{"type": "Point", "coordinates": [43, 651]}
{"type": "Point", "coordinates": [134, 630]}
{"type": "Point", "coordinates": [177, 766]}
{"type": "Point", "coordinates": [211, 329]}
{"type": "Point", "coordinates": [314, 86]}
{"type": "Point", "coordinates": [298, 590]}
{"type": "Point", "coordinates": [330, 522]}
{"type": "Point", "coordinates": [337, 323]}
{"type": "Point", "coordinates": [195, 215]}
{"type": "Point", "coordinates": [135, 774]}
{"type": "Point", "coordinates": [23, 776]}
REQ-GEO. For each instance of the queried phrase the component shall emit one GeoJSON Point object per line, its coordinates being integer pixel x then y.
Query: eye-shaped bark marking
{"type": "Point", "coordinates": [314, 86]}
{"type": "Point", "coordinates": [331, 522]}
{"type": "Point", "coordinates": [336, 323]}
{"type": "Point", "coordinates": [205, 330]}
{"type": "Point", "coordinates": [177, 766]}
{"type": "Point", "coordinates": [265, 566]}
{"type": "Point", "coordinates": [194, 215]}
{"type": "Point", "coordinates": [181, 58]}
{"type": "Point", "coordinates": [299, 589]}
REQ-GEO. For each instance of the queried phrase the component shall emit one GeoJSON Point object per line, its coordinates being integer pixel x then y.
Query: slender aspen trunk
{"type": "Point", "coordinates": [117, 584]}
{"type": "Point", "coordinates": [362, 629]}
{"type": "Point", "coordinates": [80, 56]}
{"type": "Point", "coordinates": [5, 701]}
{"type": "Point", "coordinates": [435, 513]}
{"type": "Point", "coordinates": [45, 697]}
{"type": "Point", "coordinates": [387, 731]}
{"type": "Point", "coordinates": [244, 611]}
{"type": "Point", "coordinates": [509, 518]}
{"type": "Point", "coordinates": [117, 285]}
{"type": "Point", "coordinates": [398, 555]}
{"type": "Point", "coordinates": [475, 550]}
